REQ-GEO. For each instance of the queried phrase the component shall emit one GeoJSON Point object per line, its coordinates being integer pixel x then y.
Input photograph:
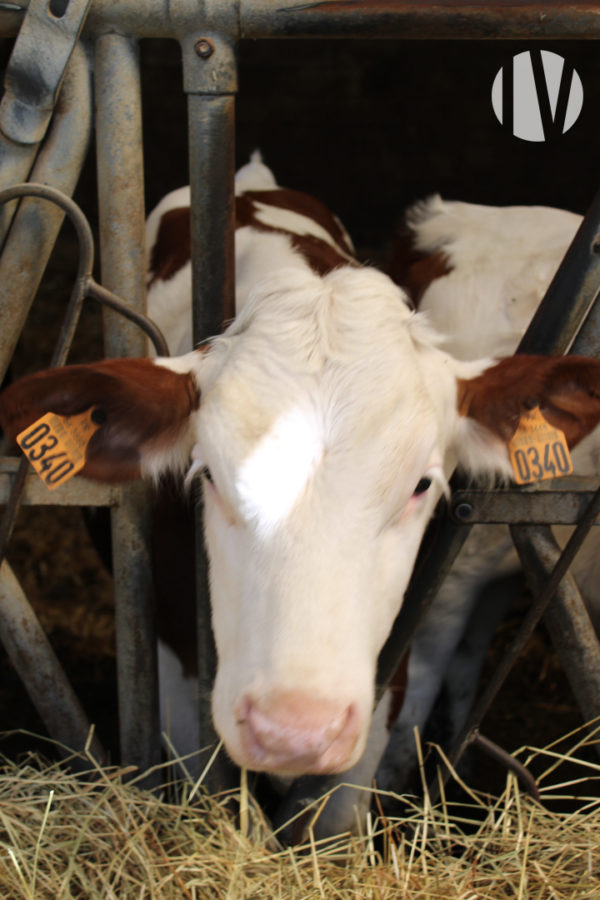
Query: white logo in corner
{"type": "Point", "coordinates": [538, 95]}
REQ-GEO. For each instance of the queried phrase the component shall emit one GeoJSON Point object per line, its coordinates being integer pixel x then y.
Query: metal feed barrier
{"type": "Point", "coordinates": [70, 51]}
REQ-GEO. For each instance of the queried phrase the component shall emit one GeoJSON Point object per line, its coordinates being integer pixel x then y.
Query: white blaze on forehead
{"type": "Point", "coordinates": [274, 476]}
{"type": "Point", "coordinates": [296, 223]}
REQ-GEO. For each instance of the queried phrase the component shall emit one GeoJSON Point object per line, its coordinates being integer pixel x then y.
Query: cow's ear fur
{"type": "Point", "coordinates": [566, 389]}
{"type": "Point", "coordinates": [145, 408]}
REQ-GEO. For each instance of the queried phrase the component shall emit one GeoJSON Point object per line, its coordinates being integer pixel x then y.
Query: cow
{"type": "Point", "coordinates": [324, 424]}
{"type": "Point", "coordinates": [485, 267]}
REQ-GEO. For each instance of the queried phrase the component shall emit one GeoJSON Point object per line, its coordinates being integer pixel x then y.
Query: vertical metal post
{"type": "Point", "coordinates": [210, 81]}
{"type": "Point", "coordinates": [212, 163]}
{"type": "Point", "coordinates": [121, 204]}
{"type": "Point", "coordinates": [121, 186]}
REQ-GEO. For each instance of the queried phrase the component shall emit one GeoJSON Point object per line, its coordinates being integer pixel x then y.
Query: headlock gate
{"type": "Point", "coordinates": [74, 65]}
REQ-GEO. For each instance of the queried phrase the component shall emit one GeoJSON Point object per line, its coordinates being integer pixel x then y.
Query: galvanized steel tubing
{"type": "Point", "coordinates": [210, 81]}
{"type": "Point", "coordinates": [259, 19]}
{"type": "Point", "coordinates": [122, 248]}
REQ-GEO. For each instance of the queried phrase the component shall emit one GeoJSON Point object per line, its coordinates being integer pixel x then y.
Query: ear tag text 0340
{"type": "Point", "coordinates": [537, 450]}
{"type": "Point", "coordinates": [56, 445]}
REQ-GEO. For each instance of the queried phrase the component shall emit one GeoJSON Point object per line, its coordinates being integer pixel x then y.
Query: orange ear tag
{"type": "Point", "coordinates": [56, 445]}
{"type": "Point", "coordinates": [537, 450]}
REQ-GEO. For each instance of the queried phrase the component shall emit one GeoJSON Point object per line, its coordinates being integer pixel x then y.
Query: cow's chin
{"type": "Point", "coordinates": [328, 763]}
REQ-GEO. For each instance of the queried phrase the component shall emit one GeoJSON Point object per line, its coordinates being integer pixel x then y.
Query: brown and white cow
{"type": "Point", "coordinates": [324, 422]}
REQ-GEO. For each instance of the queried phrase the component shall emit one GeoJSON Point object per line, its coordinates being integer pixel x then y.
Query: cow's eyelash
{"type": "Point", "coordinates": [423, 485]}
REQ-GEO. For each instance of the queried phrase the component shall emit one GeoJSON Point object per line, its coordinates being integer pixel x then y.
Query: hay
{"type": "Point", "coordinates": [99, 835]}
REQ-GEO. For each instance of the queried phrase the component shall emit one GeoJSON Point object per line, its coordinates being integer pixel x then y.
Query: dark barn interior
{"type": "Point", "coordinates": [369, 126]}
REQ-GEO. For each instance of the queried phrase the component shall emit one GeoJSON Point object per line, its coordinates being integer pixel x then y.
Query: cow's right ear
{"type": "Point", "coordinates": [566, 389]}
{"type": "Point", "coordinates": [145, 410]}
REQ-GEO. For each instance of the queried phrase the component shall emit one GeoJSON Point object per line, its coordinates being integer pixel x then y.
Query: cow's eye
{"type": "Point", "coordinates": [423, 485]}
{"type": "Point", "coordinates": [206, 473]}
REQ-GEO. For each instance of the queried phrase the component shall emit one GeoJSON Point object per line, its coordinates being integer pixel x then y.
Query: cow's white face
{"type": "Point", "coordinates": [320, 415]}
{"type": "Point", "coordinates": [315, 505]}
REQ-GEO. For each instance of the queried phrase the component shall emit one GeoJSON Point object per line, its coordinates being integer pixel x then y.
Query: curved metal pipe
{"type": "Point", "coordinates": [84, 286]}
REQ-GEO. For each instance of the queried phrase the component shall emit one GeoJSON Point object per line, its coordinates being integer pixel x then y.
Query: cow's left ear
{"type": "Point", "coordinates": [143, 407]}
{"type": "Point", "coordinates": [565, 388]}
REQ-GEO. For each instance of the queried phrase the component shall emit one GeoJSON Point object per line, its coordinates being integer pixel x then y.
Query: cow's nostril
{"type": "Point", "coordinates": [293, 733]}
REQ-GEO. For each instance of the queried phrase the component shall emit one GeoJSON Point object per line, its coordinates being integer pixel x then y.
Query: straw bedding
{"type": "Point", "coordinates": [100, 835]}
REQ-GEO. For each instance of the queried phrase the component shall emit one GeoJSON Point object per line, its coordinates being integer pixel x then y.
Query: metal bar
{"type": "Point", "coordinates": [210, 80]}
{"type": "Point", "coordinates": [120, 186]}
{"type": "Point", "coordinates": [211, 134]}
{"type": "Point", "coordinates": [566, 618]}
{"type": "Point", "coordinates": [587, 342]}
{"type": "Point", "coordinates": [139, 726]}
{"type": "Point", "coordinates": [212, 143]}
{"type": "Point", "coordinates": [515, 506]}
{"type": "Point", "coordinates": [505, 759]}
{"type": "Point", "coordinates": [407, 20]}
{"type": "Point", "coordinates": [34, 229]}
{"type": "Point", "coordinates": [76, 492]}
{"type": "Point", "coordinates": [41, 673]}
{"type": "Point", "coordinates": [110, 300]}
{"type": "Point", "coordinates": [121, 204]}
{"type": "Point", "coordinates": [447, 19]}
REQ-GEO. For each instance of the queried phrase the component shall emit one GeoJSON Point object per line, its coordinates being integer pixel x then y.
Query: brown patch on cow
{"type": "Point", "coordinates": [172, 248]}
{"type": "Point", "coordinates": [305, 205]}
{"type": "Point", "coordinates": [397, 688]}
{"type": "Point", "coordinates": [415, 270]}
{"type": "Point", "coordinates": [321, 256]}
{"type": "Point", "coordinates": [144, 407]}
{"type": "Point", "coordinates": [566, 389]}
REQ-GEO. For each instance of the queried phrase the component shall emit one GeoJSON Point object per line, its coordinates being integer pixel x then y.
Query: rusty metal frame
{"type": "Point", "coordinates": [208, 32]}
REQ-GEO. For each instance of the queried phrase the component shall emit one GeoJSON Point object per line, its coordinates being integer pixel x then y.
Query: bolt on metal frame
{"type": "Point", "coordinates": [208, 32]}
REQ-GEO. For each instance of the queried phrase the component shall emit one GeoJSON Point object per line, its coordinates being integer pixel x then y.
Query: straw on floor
{"type": "Point", "coordinates": [99, 835]}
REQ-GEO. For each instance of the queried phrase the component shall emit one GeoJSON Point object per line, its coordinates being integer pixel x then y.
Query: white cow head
{"type": "Point", "coordinates": [325, 423]}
